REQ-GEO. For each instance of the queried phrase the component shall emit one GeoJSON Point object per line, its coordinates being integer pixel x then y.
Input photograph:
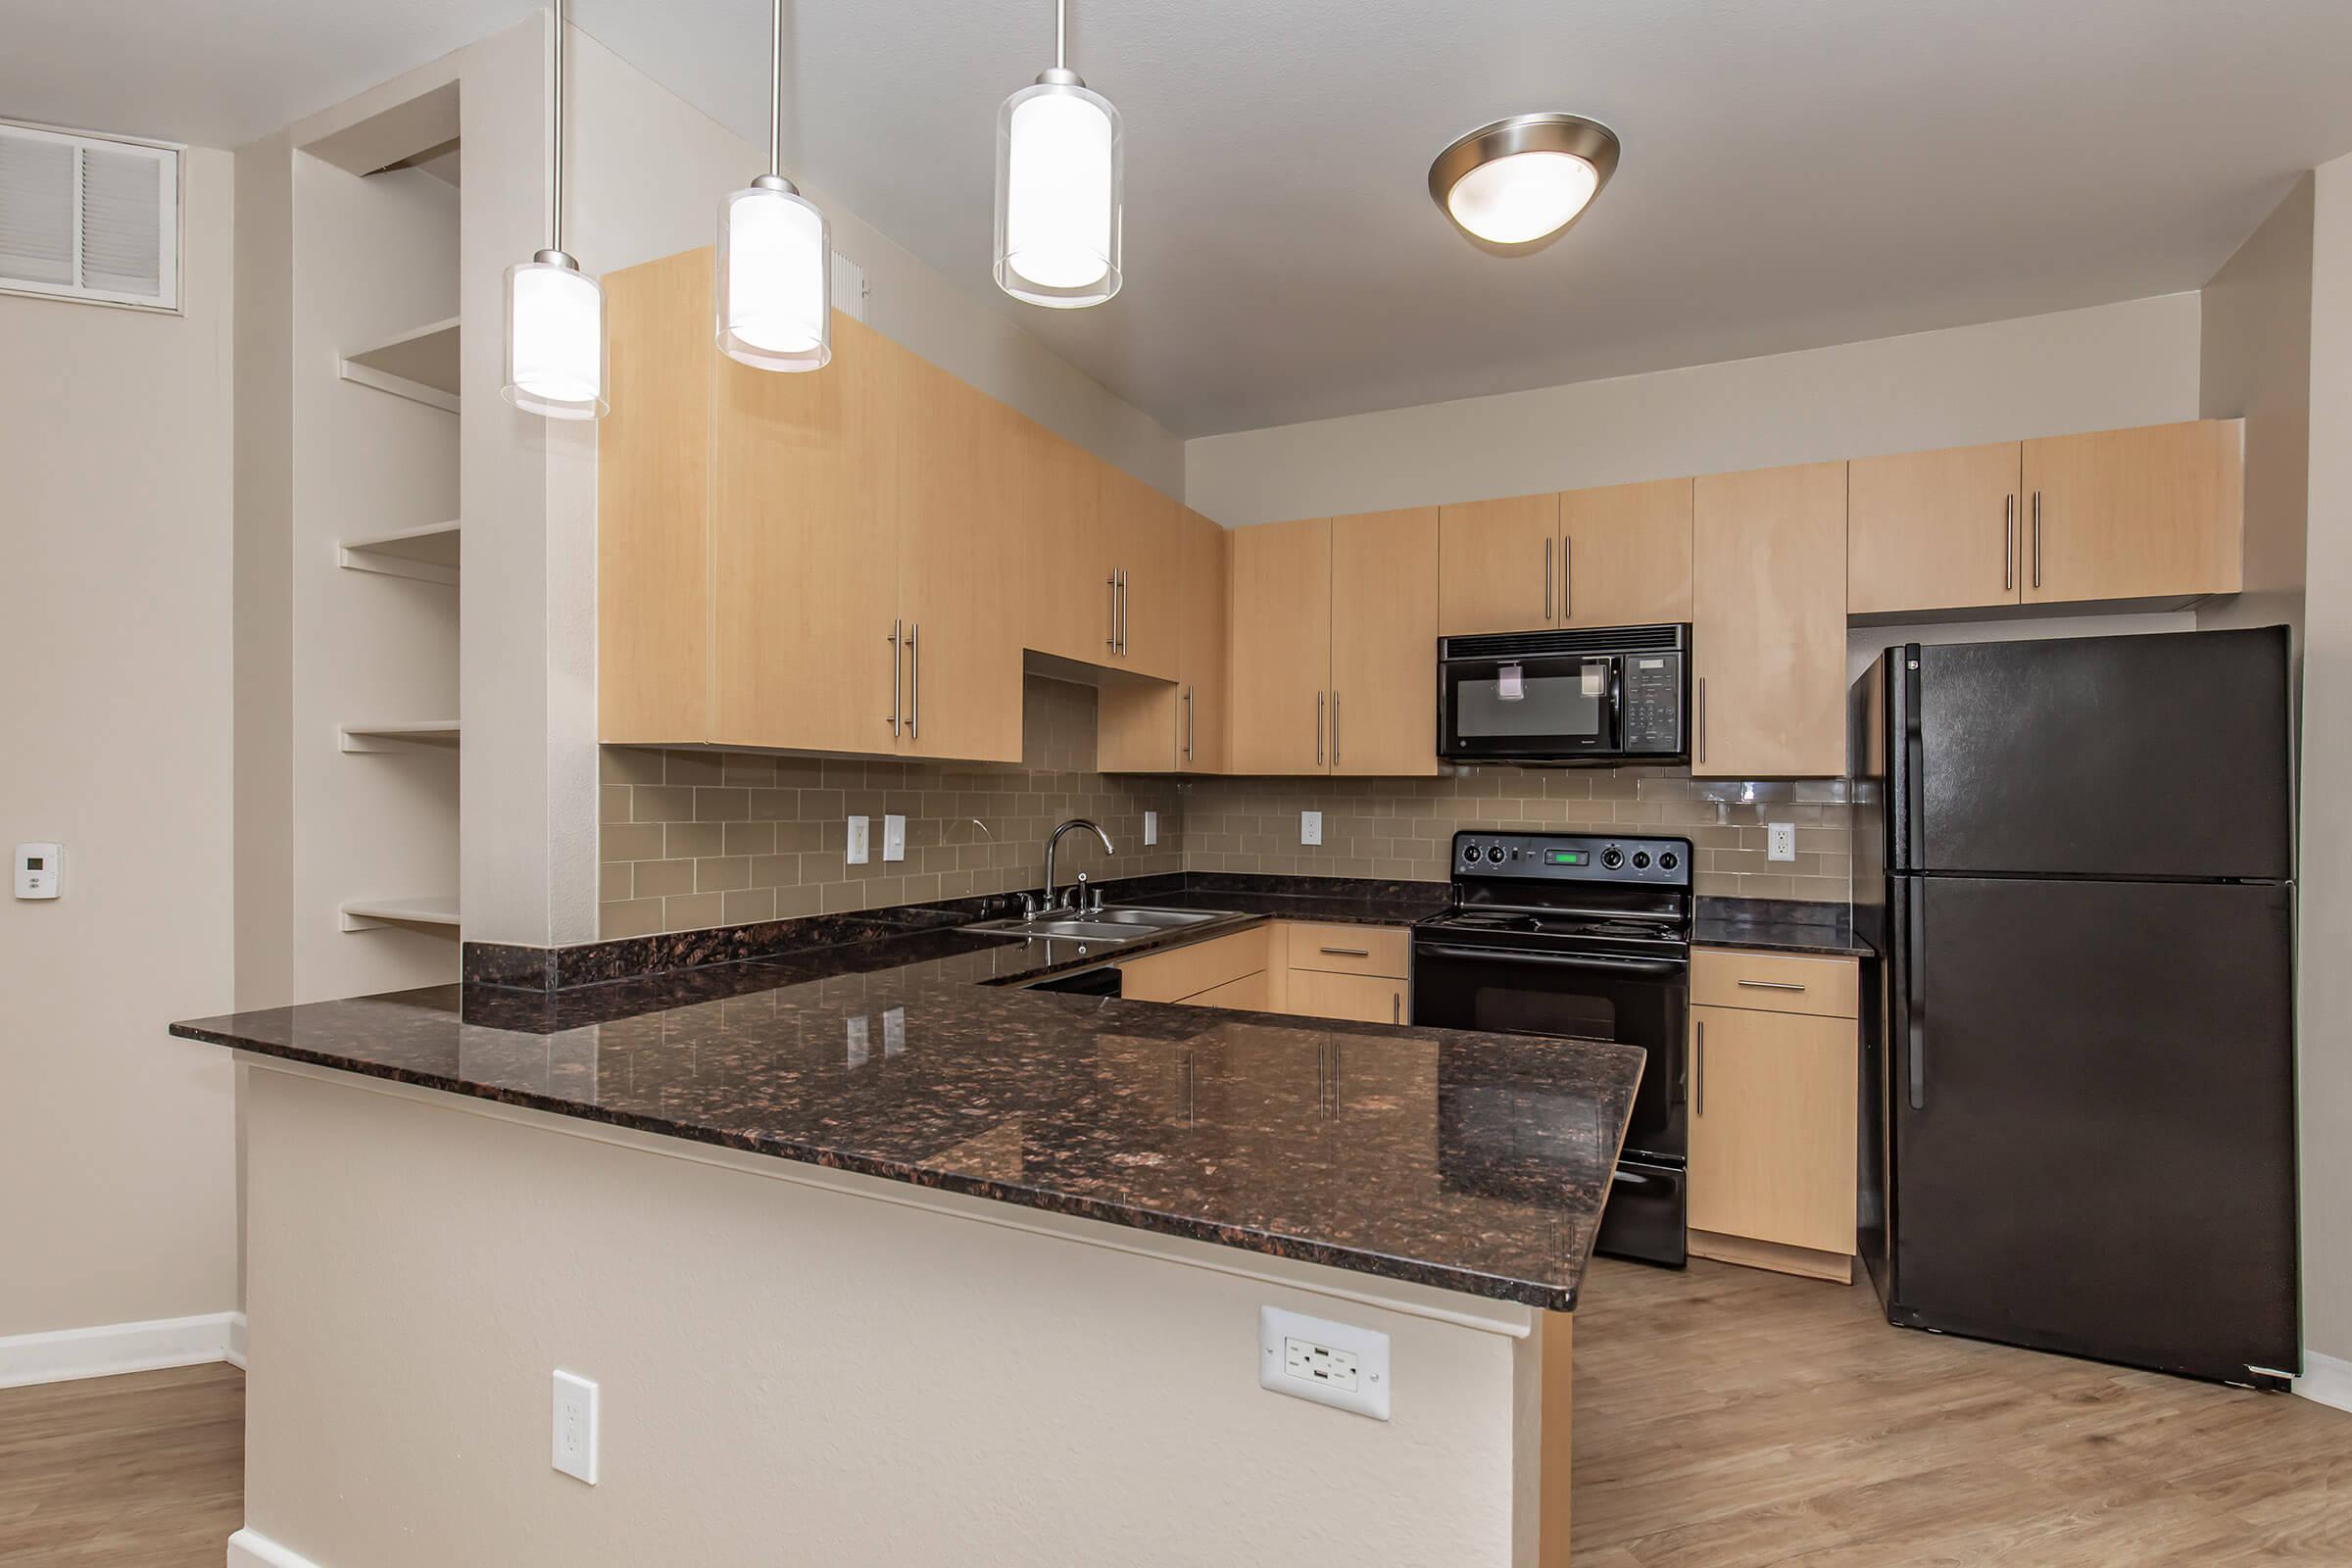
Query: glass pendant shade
{"type": "Point", "coordinates": [776, 290]}
{"type": "Point", "coordinates": [1060, 158]}
{"type": "Point", "coordinates": [554, 339]}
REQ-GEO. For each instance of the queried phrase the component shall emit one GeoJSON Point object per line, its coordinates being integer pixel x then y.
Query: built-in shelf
{"type": "Point", "coordinates": [429, 554]}
{"type": "Point", "coordinates": [432, 735]}
{"type": "Point", "coordinates": [366, 914]}
{"type": "Point", "coordinates": [420, 366]}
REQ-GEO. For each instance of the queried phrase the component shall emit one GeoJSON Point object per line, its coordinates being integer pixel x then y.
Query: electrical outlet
{"type": "Point", "coordinates": [1151, 828]}
{"type": "Point", "coordinates": [575, 1427]}
{"type": "Point", "coordinates": [1780, 841]}
{"type": "Point", "coordinates": [861, 846]}
{"type": "Point", "coordinates": [1311, 827]}
{"type": "Point", "coordinates": [893, 839]}
{"type": "Point", "coordinates": [1330, 1363]}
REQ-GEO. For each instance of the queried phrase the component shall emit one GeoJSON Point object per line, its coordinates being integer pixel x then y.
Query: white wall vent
{"type": "Point", "coordinates": [89, 217]}
{"type": "Point", "coordinates": [849, 287]}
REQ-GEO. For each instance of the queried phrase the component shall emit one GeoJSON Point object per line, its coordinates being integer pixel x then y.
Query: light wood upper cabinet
{"type": "Point", "coordinates": [1933, 531]}
{"type": "Point", "coordinates": [959, 569]}
{"type": "Point", "coordinates": [1282, 647]}
{"type": "Point", "coordinates": [1498, 564]}
{"type": "Point", "coordinates": [1066, 553]}
{"type": "Point", "coordinates": [1768, 603]}
{"type": "Point", "coordinates": [1146, 541]}
{"type": "Point", "coordinates": [1773, 1110]}
{"type": "Point", "coordinates": [1205, 704]}
{"type": "Point", "coordinates": [1625, 555]}
{"type": "Point", "coordinates": [1383, 641]}
{"type": "Point", "coordinates": [2157, 513]}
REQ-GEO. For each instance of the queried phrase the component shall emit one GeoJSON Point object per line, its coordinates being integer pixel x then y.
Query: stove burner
{"type": "Point", "coordinates": [1495, 921]}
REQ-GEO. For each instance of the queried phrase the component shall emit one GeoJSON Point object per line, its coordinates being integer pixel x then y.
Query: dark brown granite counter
{"type": "Point", "coordinates": [1778, 925]}
{"type": "Point", "coordinates": [1470, 1162]}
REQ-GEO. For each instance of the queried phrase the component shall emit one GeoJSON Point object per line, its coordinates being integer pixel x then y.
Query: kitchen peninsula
{"type": "Point", "coordinates": [870, 1251]}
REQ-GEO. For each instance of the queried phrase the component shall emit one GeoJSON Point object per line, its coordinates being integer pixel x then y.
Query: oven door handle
{"type": "Point", "coordinates": [1561, 960]}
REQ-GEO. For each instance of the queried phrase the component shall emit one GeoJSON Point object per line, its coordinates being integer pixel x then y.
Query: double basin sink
{"type": "Point", "coordinates": [1116, 924]}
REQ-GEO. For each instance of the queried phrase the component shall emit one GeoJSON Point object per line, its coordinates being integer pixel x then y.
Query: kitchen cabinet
{"type": "Point", "coordinates": [1154, 726]}
{"type": "Point", "coordinates": [1768, 611]}
{"type": "Point", "coordinates": [1383, 641]}
{"type": "Point", "coordinates": [1497, 565]}
{"type": "Point", "coordinates": [1144, 532]}
{"type": "Point", "coordinates": [1069, 604]}
{"type": "Point", "coordinates": [1933, 531]}
{"type": "Point", "coordinates": [1625, 555]}
{"type": "Point", "coordinates": [1280, 639]}
{"type": "Point", "coordinates": [1348, 997]}
{"type": "Point", "coordinates": [1773, 1155]}
{"type": "Point", "coordinates": [1250, 994]}
{"type": "Point", "coordinates": [1180, 973]}
{"type": "Point", "coordinates": [2156, 512]}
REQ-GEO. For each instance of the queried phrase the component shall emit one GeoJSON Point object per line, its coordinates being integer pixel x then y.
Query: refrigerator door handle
{"type": "Point", "coordinates": [1915, 1006]}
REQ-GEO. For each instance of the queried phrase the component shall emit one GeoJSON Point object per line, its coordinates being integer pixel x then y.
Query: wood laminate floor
{"type": "Point", "coordinates": [1724, 1418]}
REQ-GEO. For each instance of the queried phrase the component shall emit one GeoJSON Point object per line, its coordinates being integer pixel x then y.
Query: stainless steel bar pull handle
{"type": "Point", "coordinates": [1546, 579]}
{"type": "Point", "coordinates": [1318, 729]}
{"type": "Point", "coordinates": [2036, 538]}
{"type": "Point", "coordinates": [914, 680]}
{"type": "Point", "coordinates": [2008, 543]}
{"type": "Point", "coordinates": [1335, 729]}
{"type": "Point", "coordinates": [1567, 578]}
{"type": "Point", "coordinates": [1111, 582]}
{"type": "Point", "coordinates": [1188, 723]}
{"type": "Point", "coordinates": [896, 656]}
{"type": "Point", "coordinates": [1702, 719]}
{"type": "Point", "coordinates": [1772, 985]}
{"type": "Point", "coordinates": [1396, 1007]}
{"type": "Point", "coordinates": [1348, 953]}
{"type": "Point", "coordinates": [1122, 611]}
{"type": "Point", "coordinates": [1699, 1095]}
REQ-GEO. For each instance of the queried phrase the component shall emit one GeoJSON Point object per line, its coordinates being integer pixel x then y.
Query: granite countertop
{"type": "Point", "coordinates": [1469, 1162]}
{"type": "Point", "coordinates": [1778, 925]}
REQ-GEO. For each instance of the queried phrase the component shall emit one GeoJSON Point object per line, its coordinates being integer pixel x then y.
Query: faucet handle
{"type": "Point", "coordinates": [1028, 905]}
{"type": "Point", "coordinates": [1078, 894]}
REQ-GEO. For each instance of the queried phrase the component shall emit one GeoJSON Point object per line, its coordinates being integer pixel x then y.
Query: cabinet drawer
{"type": "Point", "coordinates": [1354, 997]}
{"type": "Point", "coordinates": [1772, 981]}
{"type": "Point", "coordinates": [1252, 993]}
{"type": "Point", "coordinates": [1187, 971]}
{"type": "Point", "coordinates": [1377, 949]}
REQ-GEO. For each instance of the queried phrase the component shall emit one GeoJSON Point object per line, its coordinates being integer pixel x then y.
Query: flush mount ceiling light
{"type": "Point", "coordinates": [555, 312]}
{"type": "Point", "coordinates": [775, 254]}
{"type": "Point", "coordinates": [1516, 184]}
{"type": "Point", "coordinates": [1060, 158]}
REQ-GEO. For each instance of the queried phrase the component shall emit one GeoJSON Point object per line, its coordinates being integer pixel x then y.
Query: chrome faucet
{"type": "Point", "coordinates": [1054, 842]}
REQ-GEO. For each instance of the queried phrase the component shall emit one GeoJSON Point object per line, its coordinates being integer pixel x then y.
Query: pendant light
{"type": "Point", "coordinates": [1513, 185]}
{"type": "Point", "coordinates": [1061, 161]}
{"type": "Point", "coordinates": [775, 256]}
{"type": "Point", "coordinates": [555, 312]}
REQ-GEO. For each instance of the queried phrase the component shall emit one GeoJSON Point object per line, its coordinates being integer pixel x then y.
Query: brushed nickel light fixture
{"type": "Point", "coordinates": [1060, 161]}
{"type": "Point", "coordinates": [775, 254]}
{"type": "Point", "coordinates": [555, 312]}
{"type": "Point", "coordinates": [1516, 184]}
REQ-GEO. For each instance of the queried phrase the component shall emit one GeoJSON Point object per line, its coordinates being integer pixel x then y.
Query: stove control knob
{"type": "Point", "coordinates": [1669, 860]}
{"type": "Point", "coordinates": [1469, 854]}
{"type": "Point", "coordinates": [1612, 858]}
{"type": "Point", "coordinates": [1640, 859]}
{"type": "Point", "coordinates": [1495, 854]}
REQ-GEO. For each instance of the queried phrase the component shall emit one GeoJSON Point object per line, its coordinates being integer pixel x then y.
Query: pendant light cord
{"type": "Point", "coordinates": [1062, 36]}
{"type": "Point", "coordinates": [775, 91]}
{"type": "Point", "coordinates": [554, 199]}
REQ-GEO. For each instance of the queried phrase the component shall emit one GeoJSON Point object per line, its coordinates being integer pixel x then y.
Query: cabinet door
{"type": "Point", "coordinates": [804, 546]}
{"type": "Point", "coordinates": [1383, 641]}
{"type": "Point", "coordinates": [1250, 994]}
{"type": "Point", "coordinates": [652, 599]}
{"type": "Point", "coordinates": [1625, 555]}
{"type": "Point", "coordinates": [1146, 552]}
{"type": "Point", "coordinates": [1354, 997]}
{"type": "Point", "coordinates": [959, 568]}
{"type": "Point", "coordinates": [1498, 564]}
{"type": "Point", "coordinates": [1204, 709]}
{"type": "Point", "coordinates": [1768, 602]}
{"type": "Point", "coordinates": [1774, 1099]}
{"type": "Point", "coordinates": [2157, 513]}
{"type": "Point", "coordinates": [1933, 531]}
{"type": "Point", "coordinates": [1282, 648]}
{"type": "Point", "coordinates": [1065, 554]}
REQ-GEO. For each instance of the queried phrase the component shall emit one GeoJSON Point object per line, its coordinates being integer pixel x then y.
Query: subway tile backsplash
{"type": "Point", "coordinates": [693, 839]}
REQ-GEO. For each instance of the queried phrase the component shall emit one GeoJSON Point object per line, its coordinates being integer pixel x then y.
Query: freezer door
{"type": "Point", "coordinates": [2159, 757]}
{"type": "Point", "coordinates": [2093, 1137]}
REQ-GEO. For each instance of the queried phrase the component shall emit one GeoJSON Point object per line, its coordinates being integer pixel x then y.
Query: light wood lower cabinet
{"type": "Point", "coordinates": [1354, 997]}
{"type": "Point", "coordinates": [1252, 993]}
{"type": "Point", "coordinates": [1355, 973]}
{"type": "Point", "coordinates": [1768, 631]}
{"type": "Point", "coordinates": [1178, 973]}
{"type": "Point", "coordinates": [2155, 512]}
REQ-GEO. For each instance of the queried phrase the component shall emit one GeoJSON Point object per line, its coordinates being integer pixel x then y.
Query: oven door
{"type": "Point", "coordinates": [1638, 1001]}
{"type": "Point", "coordinates": [1542, 708]}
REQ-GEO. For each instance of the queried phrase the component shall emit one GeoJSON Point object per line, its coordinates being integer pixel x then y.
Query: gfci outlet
{"type": "Point", "coordinates": [1311, 827]}
{"type": "Point", "coordinates": [1780, 841]}
{"type": "Point", "coordinates": [860, 845]}
{"type": "Point", "coordinates": [575, 1427]}
{"type": "Point", "coordinates": [1330, 1363]}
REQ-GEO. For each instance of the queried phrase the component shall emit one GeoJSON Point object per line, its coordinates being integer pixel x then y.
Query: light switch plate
{"type": "Point", "coordinates": [1311, 827]}
{"type": "Point", "coordinates": [574, 1451]}
{"type": "Point", "coordinates": [1330, 1363]}
{"type": "Point", "coordinates": [861, 846]}
{"type": "Point", "coordinates": [893, 839]}
{"type": "Point", "coordinates": [1780, 841]}
{"type": "Point", "coordinates": [1151, 828]}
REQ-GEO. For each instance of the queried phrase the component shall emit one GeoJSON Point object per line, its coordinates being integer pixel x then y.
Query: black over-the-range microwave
{"type": "Point", "coordinates": [1609, 694]}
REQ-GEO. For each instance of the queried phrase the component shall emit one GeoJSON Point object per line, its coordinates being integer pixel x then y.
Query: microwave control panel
{"type": "Point", "coordinates": [1653, 704]}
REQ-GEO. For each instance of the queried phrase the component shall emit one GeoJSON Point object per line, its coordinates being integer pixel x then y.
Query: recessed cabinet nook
{"type": "Point", "coordinates": [860, 561]}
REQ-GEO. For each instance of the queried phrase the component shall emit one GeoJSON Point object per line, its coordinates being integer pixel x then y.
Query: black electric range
{"type": "Point", "coordinates": [1585, 936]}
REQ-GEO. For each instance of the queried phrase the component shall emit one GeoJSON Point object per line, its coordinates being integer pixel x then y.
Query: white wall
{"type": "Point", "coordinates": [2325, 907]}
{"type": "Point", "coordinates": [2105, 368]}
{"type": "Point", "coordinates": [116, 1141]}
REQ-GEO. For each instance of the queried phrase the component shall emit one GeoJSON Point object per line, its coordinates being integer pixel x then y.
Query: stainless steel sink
{"type": "Point", "coordinates": [1116, 924]}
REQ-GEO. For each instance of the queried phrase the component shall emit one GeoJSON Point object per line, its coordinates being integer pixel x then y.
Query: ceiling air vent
{"type": "Point", "coordinates": [89, 217]}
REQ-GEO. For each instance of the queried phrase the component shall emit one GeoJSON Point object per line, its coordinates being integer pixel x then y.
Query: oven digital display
{"type": "Point", "coordinates": [1566, 858]}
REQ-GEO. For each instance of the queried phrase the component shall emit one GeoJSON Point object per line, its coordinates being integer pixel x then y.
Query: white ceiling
{"type": "Point", "coordinates": [1795, 171]}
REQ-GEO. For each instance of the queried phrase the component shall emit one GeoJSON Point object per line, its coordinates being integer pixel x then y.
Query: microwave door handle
{"type": "Point", "coordinates": [1617, 704]}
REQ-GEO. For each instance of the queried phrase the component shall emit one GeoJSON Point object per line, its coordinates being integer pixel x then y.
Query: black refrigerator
{"type": "Point", "coordinates": [2075, 859]}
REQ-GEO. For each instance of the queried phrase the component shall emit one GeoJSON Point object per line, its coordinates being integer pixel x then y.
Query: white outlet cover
{"type": "Point", "coordinates": [1338, 1364]}
{"type": "Point", "coordinates": [1311, 827]}
{"type": "Point", "coordinates": [1151, 828]}
{"type": "Point", "coordinates": [860, 840]}
{"type": "Point", "coordinates": [575, 1451]}
{"type": "Point", "coordinates": [1780, 841]}
{"type": "Point", "coordinates": [894, 838]}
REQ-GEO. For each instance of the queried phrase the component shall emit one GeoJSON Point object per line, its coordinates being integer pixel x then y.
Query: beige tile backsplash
{"type": "Point", "coordinates": [702, 838]}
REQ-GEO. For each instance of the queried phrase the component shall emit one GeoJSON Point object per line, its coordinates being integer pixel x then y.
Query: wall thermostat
{"type": "Point", "coordinates": [40, 870]}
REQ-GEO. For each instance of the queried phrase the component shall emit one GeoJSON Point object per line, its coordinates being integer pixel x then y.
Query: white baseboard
{"type": "Point", "coordinates": [2325, 1378]}
{"type": "Point", "coordinates": [112, 1348]}
{"type": "Point", "coordinates": [250, 1548]}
